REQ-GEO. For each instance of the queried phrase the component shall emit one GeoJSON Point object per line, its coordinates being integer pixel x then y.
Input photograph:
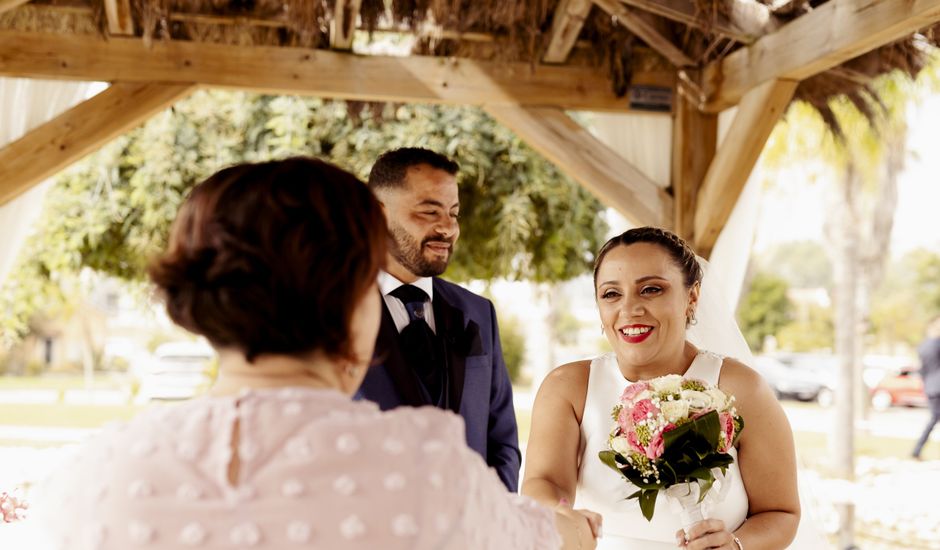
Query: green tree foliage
{"type": "Point", "coordinates": [907, 299]}
{"type": "Point", "coordinates": [813, 330]}
{"type": "Point", "coordinates": [520, 217]}
{"type": "Point", "coordinates": [802, 264]}
{"type": "Point", "coordinates": [765, 309]}
{"type": "Point", "coordinates": [512, 338]}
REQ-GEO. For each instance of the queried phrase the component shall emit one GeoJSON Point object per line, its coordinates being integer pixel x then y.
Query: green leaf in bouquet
{"type": "Point", "coordinates": [648, 502]}
{"type": "Point", "coordinates": [708, 426]}
{"type": "Point", "coordinates": [609, 458]}
{"type": "Point", "coordinates": [705, 484]}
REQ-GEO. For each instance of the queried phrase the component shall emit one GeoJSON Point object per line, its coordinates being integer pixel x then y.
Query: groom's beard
{"type": "Point", "coordinates": [410, 253]}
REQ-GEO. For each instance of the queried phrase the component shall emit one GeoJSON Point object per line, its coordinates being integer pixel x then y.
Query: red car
{"type": "Point", "coordinates": [904, 387]}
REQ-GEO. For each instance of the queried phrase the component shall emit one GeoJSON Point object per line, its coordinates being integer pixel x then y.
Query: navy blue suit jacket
{"type": "Point", "coordinates": [929, 352]}
{"type": "Point", "coordinates": [479, 382]}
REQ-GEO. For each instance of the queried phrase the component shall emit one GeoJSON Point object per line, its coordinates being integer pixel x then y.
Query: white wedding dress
{"type": "Point", "coordinates": [605, 491]}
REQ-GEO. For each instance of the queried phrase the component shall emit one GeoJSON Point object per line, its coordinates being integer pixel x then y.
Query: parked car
{"type": "Point", "coordinates": [792, 378]}
{"type": "Point", "coordinates": [179, 370]}
{"type": "Point", "coordinates": [904, 387]}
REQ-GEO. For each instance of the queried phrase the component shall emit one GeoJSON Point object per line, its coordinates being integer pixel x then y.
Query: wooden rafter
{"type": "Point", "coordinates": [343, 26]}
{"type": "Point", "coordinates": [645, 28]}
{"type": "Point", "coordinates": [313, 72]}
{"type": "Point", "coordinates": [750, 19]}
{"type": "Point", "coordinates": [7, 5]}
{"type": "Point", "coordinates": [735, 158]}
{"type": "Point", "coordinates": [694, 138]}
{"type": "Point", "coordinates": [575, 151]}
{"type": "Point", "coordinates": [566, 26]}
{"type": "Point", "coordinates": [833, 33]}
{"type": "Point", "coordinates": [79, 131]}
{"type": "Point", "coordinates": [120, 21]}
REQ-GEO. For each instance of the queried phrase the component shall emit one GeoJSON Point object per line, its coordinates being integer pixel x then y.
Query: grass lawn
{"type": "Point", "coordinates": [64, 416]}
{"type": "Point", "coordinates": [101, 381]}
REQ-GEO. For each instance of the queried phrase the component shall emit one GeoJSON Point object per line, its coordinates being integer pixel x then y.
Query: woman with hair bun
{"type": "Point", "coordinates": [276, 265]}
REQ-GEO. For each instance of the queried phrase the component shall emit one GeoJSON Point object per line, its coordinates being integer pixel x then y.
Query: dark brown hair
{"type": "Point", "coordinates": [272, 257]}
{"type": "Point", "coordinates": [681, 253]}
{"type": "Point", "coordinates": [391, 168]}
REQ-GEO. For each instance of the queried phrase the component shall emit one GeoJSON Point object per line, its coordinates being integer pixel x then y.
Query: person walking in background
{"type": "Point", "coordinates": [276, 265]}
{"type": "Point", "coordinates": [929, 352]}
{"type": "Point", "coordinates": [439, 343]}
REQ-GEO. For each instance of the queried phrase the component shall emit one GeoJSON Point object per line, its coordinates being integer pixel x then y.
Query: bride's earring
{"type": "Point", "coordinates": [602, 330]}
{"type": "Point", "coordinates": [691, 318]}
{"type": "Point", "coordinates": [351, 371]}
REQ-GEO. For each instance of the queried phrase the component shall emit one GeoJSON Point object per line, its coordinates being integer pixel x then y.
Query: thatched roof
{"type": "Point", "coordinates": [498, 30]}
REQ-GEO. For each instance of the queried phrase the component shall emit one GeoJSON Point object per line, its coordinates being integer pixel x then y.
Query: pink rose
{"type": "Point", "coordinates": [634, 442]}
{"type": "Point", "coordinates": [727, 431]}
{"type": "Point", "coordinates": [655, 449]}
{"type": "Point", "coordinates": [624, 420]}
{"type": "Point", "coordinates": [633, 390]}
{"type": "Point", "coordinates": [641, 410]}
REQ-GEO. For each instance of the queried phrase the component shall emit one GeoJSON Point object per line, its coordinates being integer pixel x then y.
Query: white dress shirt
{"type": "Point", "coordinates": [388, 283]}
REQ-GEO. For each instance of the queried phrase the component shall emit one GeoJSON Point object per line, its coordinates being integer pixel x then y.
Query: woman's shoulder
{"type": "Point", "coordinates": [745, 383]}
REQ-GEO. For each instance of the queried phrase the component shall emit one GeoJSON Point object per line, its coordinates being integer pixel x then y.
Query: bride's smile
{"type": "Point", "coordinates": [644, 306]}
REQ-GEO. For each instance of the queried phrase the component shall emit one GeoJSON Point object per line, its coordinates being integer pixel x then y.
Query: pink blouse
{"type": "Point", "coordinates": [316, 470]}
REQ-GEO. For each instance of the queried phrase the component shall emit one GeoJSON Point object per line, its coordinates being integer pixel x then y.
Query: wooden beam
{"type": "Point", "coordinates": [343, 26]}
{"type": "Point", "coordinates": [315, 72]}
{"type": "Point", "coordinates": [641, 25]}
{"type": "Point", "coordinates": [7, 5]}
{"type": "Point", "coordinates": [566, 26]}
{"type": "Point", "coordinates": [735, 158]}
{"type": "Point", "coordinates": [833, 33]}
{"type": "Point", "coordinates": [576, 152]}
{"type": "Point", "coordinates": [694, 138]}
{"type": "Point", "coordinates": [120, 21]}
{"type": "Point", "coordinates": [79, 131]}
{"type": "Point", "coordinates": [749, 21]}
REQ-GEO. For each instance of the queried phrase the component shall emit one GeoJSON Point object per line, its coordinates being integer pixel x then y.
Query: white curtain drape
{"type": "Point", "coordinates": [24, 105]}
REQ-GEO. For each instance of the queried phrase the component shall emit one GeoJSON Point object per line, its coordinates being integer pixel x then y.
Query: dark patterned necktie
{"type": "Point", "coordinates": [420, 345]}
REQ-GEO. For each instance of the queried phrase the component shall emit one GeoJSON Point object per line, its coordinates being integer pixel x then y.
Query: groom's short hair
{"type": "Point", "coordinates": [391, 167]}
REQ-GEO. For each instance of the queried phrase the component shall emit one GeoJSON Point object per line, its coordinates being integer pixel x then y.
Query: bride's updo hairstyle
{"type": "Point", "coordinates": [273, 257]}
{"type": "Point", "coordinates": [681, 253]}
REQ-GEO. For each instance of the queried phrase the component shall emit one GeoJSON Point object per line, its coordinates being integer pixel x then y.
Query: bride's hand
{"type": "Point", "coordinates": [707, 534]}
{"type": "Point", "coordinates": [582, 529]}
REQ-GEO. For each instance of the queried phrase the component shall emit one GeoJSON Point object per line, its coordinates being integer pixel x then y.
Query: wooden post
{"type": "Point", "coordinates": [735, 159]}
{"type": "Point", "coordinates": [694, 138]}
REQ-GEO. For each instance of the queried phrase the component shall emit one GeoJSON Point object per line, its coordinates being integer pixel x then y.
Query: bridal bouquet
{"type": "Point", "coordinates": [672, 434]}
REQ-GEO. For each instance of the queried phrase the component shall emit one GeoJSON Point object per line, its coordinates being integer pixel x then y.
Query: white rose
{"type": "Point", "coordinates": [719, 399]}
{"type": "Point", "coordinates": [671, 383]}
{"type": "Point", "coordinates": [698, 400]}
{"type": "Point", "coordinates": [620, 445]}
{"type": "Point", "coordinates": [674, 410]}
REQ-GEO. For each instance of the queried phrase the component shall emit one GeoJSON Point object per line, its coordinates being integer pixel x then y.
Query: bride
{"type": "Point", "coordinates": [647, 285]}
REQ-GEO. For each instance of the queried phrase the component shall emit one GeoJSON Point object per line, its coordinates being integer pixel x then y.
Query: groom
{"type": "Point", "coordinates": [439, 343]}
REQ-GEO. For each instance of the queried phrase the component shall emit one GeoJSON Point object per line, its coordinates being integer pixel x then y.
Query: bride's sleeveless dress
{"type": "Point", "coordinates": [604, 490]}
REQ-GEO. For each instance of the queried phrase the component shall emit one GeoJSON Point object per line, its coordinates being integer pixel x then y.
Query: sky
{"type": "Point", "coordinates": [796, 210]}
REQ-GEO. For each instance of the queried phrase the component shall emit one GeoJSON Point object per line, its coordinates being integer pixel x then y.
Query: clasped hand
{"type": "Point", "coordinates": [709, 534]}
